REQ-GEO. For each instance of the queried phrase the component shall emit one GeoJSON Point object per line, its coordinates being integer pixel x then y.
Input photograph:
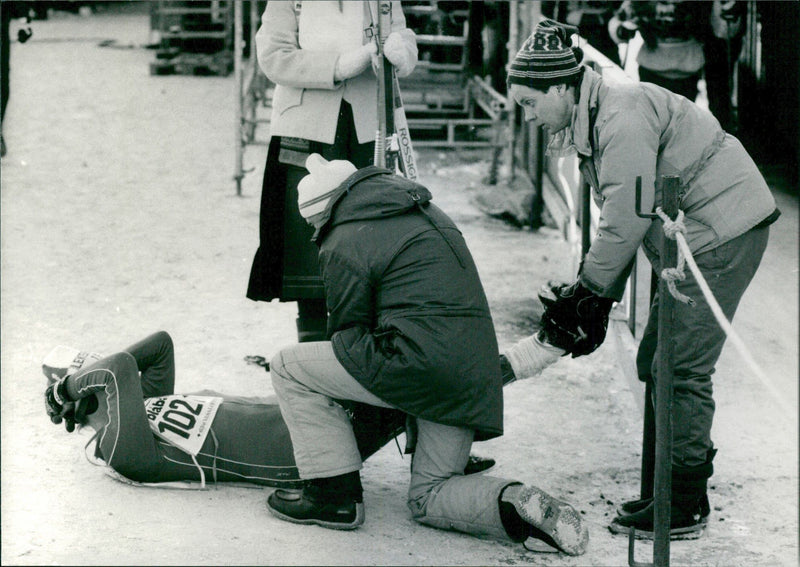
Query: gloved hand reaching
{"type": "Point", "coordinates": [396, 51]}
{"type": "Point", "coordinates": [574, 319]}
{"type": "Point", "coordinates": [352, 63]}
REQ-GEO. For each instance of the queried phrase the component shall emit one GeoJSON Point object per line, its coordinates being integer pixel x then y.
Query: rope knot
{"type": "Point", "coordinates": [676, 274]}
{"type": "Point", "coordinates": [672, 227]}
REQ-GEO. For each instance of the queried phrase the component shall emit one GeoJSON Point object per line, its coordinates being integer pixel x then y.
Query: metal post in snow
{"type": "Point", "coordinates": [662, 492]}
{"type": "Point", "coordinates": [663, 476]}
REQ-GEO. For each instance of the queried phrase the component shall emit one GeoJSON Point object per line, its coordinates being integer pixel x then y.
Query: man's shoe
{"type": "Point", "coordinates": [477, 465]}
{"type": "Point", "coordinates": [301, 508]}
{"type": "Point", "coordinates": [552, 521]}
{"type": "Point", "coordinates": [334, 502]}
{"type": "Point", "coordinates": [684, 523]}
{"type": "Point", "coordinates": [633, 506]}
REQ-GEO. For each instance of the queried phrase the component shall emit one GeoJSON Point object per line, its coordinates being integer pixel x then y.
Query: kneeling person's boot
{"type": "Point", "coordinates": [335, 502]}
{"type": "Point", "coordinates": [689, 509]}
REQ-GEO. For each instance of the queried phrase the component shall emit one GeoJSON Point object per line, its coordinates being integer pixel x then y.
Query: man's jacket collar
{"type": "Point", "coordinates": [577, 136]}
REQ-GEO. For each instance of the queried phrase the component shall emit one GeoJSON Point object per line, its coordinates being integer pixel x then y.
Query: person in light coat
{"type": "Point", "coordinates": [621, 132]}
{"type": "Point", "coordinates": [319, 55]}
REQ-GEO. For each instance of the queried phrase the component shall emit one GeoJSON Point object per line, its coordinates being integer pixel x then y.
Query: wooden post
{"type": "Point", "coordinates": [662, 486]}
{"type": "Point", "coordinates": [663, 472]}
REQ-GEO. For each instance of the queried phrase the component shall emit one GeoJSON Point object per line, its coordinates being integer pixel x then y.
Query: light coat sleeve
{"type": "Point", "coordinates": [628, 144]}
{"type": "Point", "coordinates": [280, 56]}
{"type": "Point", "coordinates": [408, 35]}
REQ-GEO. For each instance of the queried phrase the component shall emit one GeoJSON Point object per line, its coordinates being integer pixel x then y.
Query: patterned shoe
{"type": "Point", "coordinates": [558, 520]}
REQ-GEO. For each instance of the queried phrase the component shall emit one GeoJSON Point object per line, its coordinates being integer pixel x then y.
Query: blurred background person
{"type": "Point", "coordinates": [721, 49]}
{"type": "Point", "coordinates": [673, 33]}
{"type": "Point", "coordinates": [592, 18]}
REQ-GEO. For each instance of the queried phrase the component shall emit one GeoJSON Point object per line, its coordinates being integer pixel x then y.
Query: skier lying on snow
{"type": "Point", "coordinates": [206, 435]}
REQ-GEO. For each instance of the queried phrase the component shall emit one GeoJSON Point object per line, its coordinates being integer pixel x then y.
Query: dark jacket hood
{"type": "Point", "coordinates": [371, 193]}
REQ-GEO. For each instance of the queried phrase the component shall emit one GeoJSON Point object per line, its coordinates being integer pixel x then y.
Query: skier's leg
{"type": "Point", "coordinates": [125, 440]}
{"type": "Point", "coordinates": [155, 358]}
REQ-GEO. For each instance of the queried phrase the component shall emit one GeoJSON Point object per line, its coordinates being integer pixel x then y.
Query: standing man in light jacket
{"type": "Point", "coordinates": [318, 54]}
{"type": "Point", "coordinates": [410, 329]}
{"type": "Point", "coordinates": [621, 132]}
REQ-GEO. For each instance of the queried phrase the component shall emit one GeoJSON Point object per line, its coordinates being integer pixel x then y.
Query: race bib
{"type": "Point", "coordinates": [182, 421]}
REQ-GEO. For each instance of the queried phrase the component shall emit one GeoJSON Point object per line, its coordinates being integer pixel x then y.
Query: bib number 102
{"type": "Point", "coordinates": [180, 418]}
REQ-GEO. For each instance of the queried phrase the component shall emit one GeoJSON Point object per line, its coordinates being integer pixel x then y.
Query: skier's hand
{"type": "Point", "coordinates": [352, 63]}
{"type": "Point", "coordinates": [574, 319]}
{"type": "Point", "coordinates": [396, 51]}
{"type": "Point", "coordinates": [58, 407]}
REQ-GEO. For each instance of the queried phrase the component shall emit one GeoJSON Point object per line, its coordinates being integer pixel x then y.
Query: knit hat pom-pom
{"type": "Point", "coordinates": [578, 52]}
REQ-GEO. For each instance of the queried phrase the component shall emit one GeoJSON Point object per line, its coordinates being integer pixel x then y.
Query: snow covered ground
{"type": "Point", "coordinates": [120, 217]}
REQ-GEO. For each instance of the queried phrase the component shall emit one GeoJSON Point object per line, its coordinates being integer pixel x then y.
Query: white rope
{"type": "Point", "coordinates": [674, 230]}
{"type": "Point", "coordinates": [671, 275]}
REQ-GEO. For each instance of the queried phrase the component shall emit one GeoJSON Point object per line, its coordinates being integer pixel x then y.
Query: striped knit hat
{"type": "Point", "coordinates": [547, 57]}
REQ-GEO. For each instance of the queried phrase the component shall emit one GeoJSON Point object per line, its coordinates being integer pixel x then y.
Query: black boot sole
{"type": "Point", "coordinates": [689, 532]}
{"type": "Point", "coordinates": [359, 519]}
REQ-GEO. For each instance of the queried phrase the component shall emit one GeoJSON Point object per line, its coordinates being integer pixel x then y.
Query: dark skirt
{"type": "Point", "coordinates": [286, 262]}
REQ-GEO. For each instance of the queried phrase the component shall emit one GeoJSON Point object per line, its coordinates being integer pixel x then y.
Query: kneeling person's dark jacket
{"type": "Point", "coordinates": [409, 317]}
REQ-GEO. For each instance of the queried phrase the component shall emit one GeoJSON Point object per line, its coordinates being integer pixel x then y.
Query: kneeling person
{"type": "Point", "coordinates": [410, 329]}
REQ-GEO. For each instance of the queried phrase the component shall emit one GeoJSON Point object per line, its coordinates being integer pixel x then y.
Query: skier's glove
{"type": "Point", "coordinates": [396, 51]}
{"type": "Point", "coordinates": [58, 407]}
{"type": "Point", "coordinates": [574, 319]}
{"type": "Point", "coordinates": [352, 63]}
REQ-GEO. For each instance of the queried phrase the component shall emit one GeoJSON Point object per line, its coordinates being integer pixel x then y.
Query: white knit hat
{"type": "Point", "coordinates": [317, 188]}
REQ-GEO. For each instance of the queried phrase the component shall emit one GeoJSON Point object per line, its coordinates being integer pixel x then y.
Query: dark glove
{"type": "Point", "coordinates": [58, 407]}
{"type": "Point", "coordinates": [626, 31]}
{"type": "Point", "coordinates": [621, 29]}
{"type": "Point", "coordinates": [574, 319]}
